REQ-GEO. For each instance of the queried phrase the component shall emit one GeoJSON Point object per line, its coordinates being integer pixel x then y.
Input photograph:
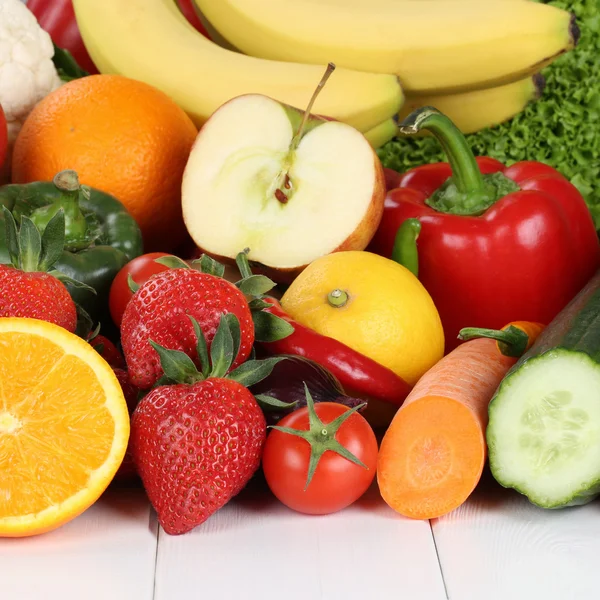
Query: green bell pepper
{"type": "Point", "coordinates": [100, 234]}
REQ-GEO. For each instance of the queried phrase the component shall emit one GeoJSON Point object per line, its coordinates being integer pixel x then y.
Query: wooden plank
{"type": "Point", "coordinates": [498, 546]}
{"type": "Point", "coordinates": [255, 547]}
{"type": "Point", "coordinates": [108, 552]}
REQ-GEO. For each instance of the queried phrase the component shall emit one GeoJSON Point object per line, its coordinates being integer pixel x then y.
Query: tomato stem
{"type": "Point", "coordinates": [321, 436]}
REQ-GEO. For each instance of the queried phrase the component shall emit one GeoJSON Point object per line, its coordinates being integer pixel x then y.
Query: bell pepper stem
{"type": "Point", "coordinates": [512, 341]}
{"type": "Point", "coordinates": [467, 191]}
{"type": "Point", "coordinates": [76, 225]}
{"type": "Point", "coordinates": [465, 172]}
{"type": "Point", "coordinates": [405, 250]}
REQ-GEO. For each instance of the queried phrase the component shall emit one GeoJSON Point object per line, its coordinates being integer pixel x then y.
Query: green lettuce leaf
{"type": "Point", "coordinates": [562, 129]}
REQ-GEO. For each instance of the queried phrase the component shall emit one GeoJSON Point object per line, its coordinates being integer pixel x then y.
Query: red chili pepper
{"type": "Point", "coordinates": [57, 17]}
{"type": "Point", "coordinates": [496, 243]}
{"type": "Point", "coordinates": [358, 374]}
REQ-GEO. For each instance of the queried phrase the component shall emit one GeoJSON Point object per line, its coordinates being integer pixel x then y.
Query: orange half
{"type": "Point", "coordinates": [64, 426]}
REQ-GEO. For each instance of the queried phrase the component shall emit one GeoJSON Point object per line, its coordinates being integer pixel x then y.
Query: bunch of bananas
{"type": "Point", "coordinates": [474, 60]}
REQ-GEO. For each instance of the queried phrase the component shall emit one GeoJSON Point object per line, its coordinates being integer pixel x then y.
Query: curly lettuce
{"type": "Point", "coordinates": [562, 129]}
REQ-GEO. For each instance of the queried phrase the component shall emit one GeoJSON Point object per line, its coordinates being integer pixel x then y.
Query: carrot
{"type": "Point", "coordinates": [432, 455]}
{"type": "Point", "coordinates": [513, 339]}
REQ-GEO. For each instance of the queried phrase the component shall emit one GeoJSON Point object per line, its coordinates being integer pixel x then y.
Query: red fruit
{"type": "Point", "coordinates": [195, 447]}
{"type": "Point", "coordinates": [160, 311]}
{"type": "Point", "coordinates": [109, 352]}
{"type": "Point", "coordinates": [127, 469]}
{"type": "Point", "coordinates": [141, 268]}
{"type": "Point", "coordinates": [36, 295]}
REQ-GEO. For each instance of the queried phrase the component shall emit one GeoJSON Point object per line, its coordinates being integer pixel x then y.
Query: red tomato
{"type": "Point", "coordinates": [3, 137]}
{"type": "Point", "coordinates": [337, 482]}
{"type": "Point", "coordinates": [141, 269]}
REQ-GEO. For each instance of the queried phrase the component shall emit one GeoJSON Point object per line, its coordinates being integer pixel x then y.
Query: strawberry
{"type": "Point", "coordinates": [107, 350]}
{"type": "Point", "coordinates": [127, 469]}
{"type": "Point", "coordinates": [37, 296]}
{"type": "Point", "coordinates": [30, 287]}
{"type": "Point", "coordinates": [160, 307]}
{"type": "Point", "coordinates": [197, 439]}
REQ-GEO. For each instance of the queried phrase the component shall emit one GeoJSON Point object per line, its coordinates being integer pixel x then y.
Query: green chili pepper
{"type": "Point", "coordinates": [100, 234]}
{"type": "Point", "coordinates": [405, 245]}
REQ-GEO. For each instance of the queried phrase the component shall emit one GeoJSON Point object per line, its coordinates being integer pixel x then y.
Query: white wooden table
{"type": "Point", "coordinates": [495, 547]}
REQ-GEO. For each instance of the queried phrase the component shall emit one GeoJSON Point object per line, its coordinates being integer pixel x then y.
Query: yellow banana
{"type": "Point", "coordinates": [149, 40]}
{"type": "Point", "coordinates": [479, 109]}
{"type": "Point", "coordinates": [383, 133]}
{"type": "Point", "coordinates": [434, 46]}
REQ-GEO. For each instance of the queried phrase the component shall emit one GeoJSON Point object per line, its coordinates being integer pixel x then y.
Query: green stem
{"type": "Point", "coordinates": [512, 341]}
{"type": "Point", "coordinates": [243, 265]}
{"type": "Point", "coordinates": [282, 188]}
{"type": "Point", "coordinates": [321, 436]}
{"type": "Point", "coordinates": [76, 225]}
{"type": "Point", "coordinates": [337, 298]}
{"type": "Point", "coordinates": [405, 250]}
{"type": "Point", "coordinates": [465, 171]}
{"type": "Point", "coordinates": [466, 191]}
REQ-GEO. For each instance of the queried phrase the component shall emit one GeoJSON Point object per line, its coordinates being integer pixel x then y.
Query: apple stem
{"type": "Point", "coordinates": [296, 139]}
{"type": "Point", "coordinates": [283, 179]}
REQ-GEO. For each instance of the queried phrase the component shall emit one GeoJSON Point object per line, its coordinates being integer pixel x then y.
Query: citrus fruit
{"type": "Point", "coordinates": [64, 426]}
{"type": "Point", "coordinates": [121, 136]}
{"type": "Point", "coordinates": [372, 304]}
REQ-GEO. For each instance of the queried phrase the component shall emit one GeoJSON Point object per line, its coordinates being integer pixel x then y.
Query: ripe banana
{"type": "Point", "coordinates": [150, 40]}
{"type": "Point", "coordinates": [383, 133]}
{"type": "Point", "coordinates": [434, 46]}
{"type": "Point", "coordinates": [480, 109]}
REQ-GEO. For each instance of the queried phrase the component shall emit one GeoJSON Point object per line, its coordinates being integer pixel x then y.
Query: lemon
{"type": "Point", "coordinates": [373, 305]}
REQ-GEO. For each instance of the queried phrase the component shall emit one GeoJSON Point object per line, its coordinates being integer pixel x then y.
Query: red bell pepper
{"type": "Point", "coordinates": [496, 244]}
{"type": "Point", "coordinates": [358, 374]}
{"type": "Point", "coordinates": [188, 9]}
{"type": "Point", "coordinates": [57, 17]}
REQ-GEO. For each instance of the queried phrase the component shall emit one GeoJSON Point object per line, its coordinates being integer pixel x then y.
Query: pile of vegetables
{"type": "Point", "coordinates": [515, 291]}
{"type": "Point", "coordinates": [560, 129]}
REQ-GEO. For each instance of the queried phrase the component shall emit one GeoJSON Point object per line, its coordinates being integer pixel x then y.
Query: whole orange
{"type": "Point", "coordinates": [121, 136]}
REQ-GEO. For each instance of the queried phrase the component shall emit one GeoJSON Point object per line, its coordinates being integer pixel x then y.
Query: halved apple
{"type": "Point", "coordinates": [290, 188]}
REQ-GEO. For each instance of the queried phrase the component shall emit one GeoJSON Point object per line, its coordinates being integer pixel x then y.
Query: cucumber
{"type": "Point", "coordinates": [543, 433]}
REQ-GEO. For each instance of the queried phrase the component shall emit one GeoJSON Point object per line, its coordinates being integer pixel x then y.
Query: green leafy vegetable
{"type": "Point", "coordinates": [562, 129]}
{"type": "Point", "coordinates": [66, 65]}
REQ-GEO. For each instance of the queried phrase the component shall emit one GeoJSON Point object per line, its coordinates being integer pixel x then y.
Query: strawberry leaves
{"type": "Point", "coordinates": [31, 251]}
{"type": "Point", "coordinates": [267, 327]}
{"type": "Point", "coordinates": [211, 266]}
{"type": "Point", "coordinates": [221, 350]}
{"type": "Point", "coordinates": [178, 367]}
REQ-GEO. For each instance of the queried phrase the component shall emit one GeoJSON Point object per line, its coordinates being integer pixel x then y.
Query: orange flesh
{"type": "Point", "coordinates": [432, 456]}
{"type": "Point", "coordinates": [55, 427]}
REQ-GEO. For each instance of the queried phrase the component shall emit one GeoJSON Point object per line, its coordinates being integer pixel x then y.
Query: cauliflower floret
{"type": "Point", "coordinates": [27, 73]}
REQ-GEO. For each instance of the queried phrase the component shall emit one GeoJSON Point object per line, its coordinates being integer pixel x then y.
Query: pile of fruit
{"type": "Point", "coordinates": [207, 275]}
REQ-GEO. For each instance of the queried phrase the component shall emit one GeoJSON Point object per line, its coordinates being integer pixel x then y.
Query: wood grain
{"type": "Point", "coordinates": [498, 546]}
{"type": "Point", "coordinates": [256, 548]}
{"type": "Point", "coordinates": [107, 553]}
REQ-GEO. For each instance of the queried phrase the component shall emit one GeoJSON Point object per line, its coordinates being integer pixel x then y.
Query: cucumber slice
{"type": "Point", "coordinates": [543, 433]}
{"type": "Point", "coordinates": [544, 436]}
